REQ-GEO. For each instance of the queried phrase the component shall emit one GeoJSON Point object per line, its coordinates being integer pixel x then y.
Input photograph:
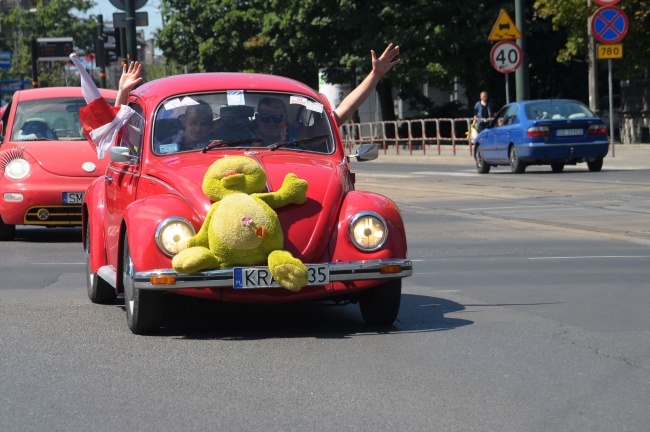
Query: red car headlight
{"type": "Point", "coordinates": [17, 169]}
{"type": "Point", "coordinates": [172, 235]}
{"type": "Point", "coordinates": [368, 231]}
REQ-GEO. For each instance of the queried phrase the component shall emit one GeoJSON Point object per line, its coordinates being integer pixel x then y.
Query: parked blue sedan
{"type": "Point", "coordinates": [555, 132]}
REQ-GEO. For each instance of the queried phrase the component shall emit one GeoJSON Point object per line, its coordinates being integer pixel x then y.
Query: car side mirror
{"type": "Point", "coordinates": [366, 153]}
{"type": "Point", "coordinates": [121, 154]}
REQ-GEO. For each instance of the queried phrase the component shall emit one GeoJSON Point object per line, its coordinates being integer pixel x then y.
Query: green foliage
{"type": "Point", "coordinates": [38, 19]}
{"type": "Point", "coordinates": [442, 42]}
{"type": "Point", "coordinates": [571, 17]}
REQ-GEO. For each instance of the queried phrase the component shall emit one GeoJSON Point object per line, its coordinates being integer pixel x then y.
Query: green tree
{"type": "Point", "coordinates": [572, 17]}
{"type": "Point", "coordinates": [39, 19]}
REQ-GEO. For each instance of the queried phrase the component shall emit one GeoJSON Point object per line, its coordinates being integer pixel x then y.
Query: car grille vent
{"type": "Point", "coordinates": [53, 215]}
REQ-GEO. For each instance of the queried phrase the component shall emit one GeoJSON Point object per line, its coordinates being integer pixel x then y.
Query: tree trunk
{"type": "Point", "coordinates": [387, 105]}
{"type": "Point", "coordinates": [386, 102]}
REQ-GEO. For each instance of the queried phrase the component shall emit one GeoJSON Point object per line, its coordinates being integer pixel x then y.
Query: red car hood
{"type": "Point", "coordinates": [66, 158]}
{"type": "Point", "coordinates": [307, 227]}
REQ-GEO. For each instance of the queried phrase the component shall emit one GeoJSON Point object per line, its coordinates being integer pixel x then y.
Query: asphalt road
{"type": "Point", "coordinates": [527, 312]}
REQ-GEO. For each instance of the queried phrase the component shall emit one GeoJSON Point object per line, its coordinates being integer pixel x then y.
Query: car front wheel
{"type": "Point", "coordinates": [516, 165]}
{"type": "Point", "coordinates": [143, 308]}
{"type": "Point", "coordinates": [380, 305]}
{"type": "Point", "coordinates": [99, 291]}
{"type": "Point", "coordinates": [595, 165]}
{"type": "Point", "coordinates": [7, 232]}
{"type": "Point", "coordinates": [481, 166]}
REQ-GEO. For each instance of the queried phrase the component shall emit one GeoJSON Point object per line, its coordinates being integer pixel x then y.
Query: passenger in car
{"type": "Point", "coordinates": [270, 122]}
{"type": "Point", "coordinates": [271, 118]}
{"type": "Point", "coordinates": [36, 130]}
{"type": "Point", "coordinates": [197, 124]}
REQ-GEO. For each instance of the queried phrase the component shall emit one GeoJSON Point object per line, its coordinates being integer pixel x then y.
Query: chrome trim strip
{"type": "Point", "coordinates": [355, 270]}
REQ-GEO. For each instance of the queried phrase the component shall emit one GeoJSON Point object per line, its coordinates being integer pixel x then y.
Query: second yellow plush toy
{"type": "Point", "coordinates": [241, 227]}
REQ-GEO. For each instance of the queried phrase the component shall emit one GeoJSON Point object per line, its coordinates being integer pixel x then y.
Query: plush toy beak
{"type": "Point", "coordinates": [260, 231]}
{"type": "Point", "coordinates": [232, 179]}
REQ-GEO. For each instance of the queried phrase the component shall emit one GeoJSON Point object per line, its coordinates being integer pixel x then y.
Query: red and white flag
{"type": "Point", "coordinates": [101, 122]}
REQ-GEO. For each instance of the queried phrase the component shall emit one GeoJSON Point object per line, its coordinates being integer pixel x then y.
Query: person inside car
{"type": "Point", "coordinates": [274, 127]}
{"type": "Point", "coordinates": [270, 122]}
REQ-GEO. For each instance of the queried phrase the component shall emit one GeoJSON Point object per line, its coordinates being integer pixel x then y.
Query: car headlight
{"type": "Point", "coordinates": [368, 231]}
{"type": "Point", "coordinates": [172, 235]}
{"type": "Point", "coordinates": [17, 169]}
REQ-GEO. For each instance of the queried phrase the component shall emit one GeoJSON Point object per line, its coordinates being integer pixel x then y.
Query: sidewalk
{"type": "Point", "coordinates": [625, 155]}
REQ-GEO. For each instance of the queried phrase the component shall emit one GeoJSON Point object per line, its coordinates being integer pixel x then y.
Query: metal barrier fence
{"type": "Point", "coordinates": [409, 135]}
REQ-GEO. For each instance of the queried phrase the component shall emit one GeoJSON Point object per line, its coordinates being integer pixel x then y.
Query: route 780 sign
{"type": "Point", "coordinates": [506, 56]}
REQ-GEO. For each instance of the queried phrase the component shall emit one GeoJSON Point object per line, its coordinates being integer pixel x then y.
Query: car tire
{"type": "Point", "coordinates": [99, 291]}
{"type": "Point", "coordinates": [595, 165]}
{"type": "Point", "coordinates": [7, 232]}
{"type": "Point", "coordinates": [380, 305]}
{"type": "Point", "coordinates": [143, 308]}
{"type": "Point", "coordinates": [481, 166]}
{"type": "Point", "coordinates": [557, 167]}
{"type": "Point", "coordinates": [516, 165]}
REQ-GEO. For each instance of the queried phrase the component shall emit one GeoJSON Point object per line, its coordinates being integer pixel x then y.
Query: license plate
{"type": "Point", "coordinates": [260, 277]}
{"type": "Point", "coordinates": [568, 132]}
{"type": "Point", "coordinates": [73, 197]}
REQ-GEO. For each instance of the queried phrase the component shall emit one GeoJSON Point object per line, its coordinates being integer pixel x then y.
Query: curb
{"type": "Point", "coordinates": [637, 155]}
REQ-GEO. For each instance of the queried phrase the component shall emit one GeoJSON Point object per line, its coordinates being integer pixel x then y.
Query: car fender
{"type": "Point", "coordinates": [140, 221]}
{"type": "Point", "coordinates": [93, 213]}
{"type": "Point", "coordinates": [356, 202]}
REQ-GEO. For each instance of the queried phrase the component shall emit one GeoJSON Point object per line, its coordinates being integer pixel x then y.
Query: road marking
{"type": "Point", "coordinates": [450, 174]}
{"type": "Point", "coordinates": [589, 257]}
{"type": "Point", "coordinates": [511, 207]}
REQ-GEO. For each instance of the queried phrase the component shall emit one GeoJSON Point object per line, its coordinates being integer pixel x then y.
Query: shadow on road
{"type": "Point", "coordinates": [48, 235]}
{"type": "Point", "coordinates": [190, 318]}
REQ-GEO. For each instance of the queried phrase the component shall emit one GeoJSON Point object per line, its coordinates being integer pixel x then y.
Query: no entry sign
{"type": "Point", "coordinates": [609, 24]}
{"type": "Point", "coordinates": [607, 2]}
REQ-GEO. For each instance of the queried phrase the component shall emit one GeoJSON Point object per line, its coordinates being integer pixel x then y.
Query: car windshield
{"type": "Point", "coordinates": [237, 118]}
{"type": "Point", "coordinates": [50, 119]}
{"type": "Point", "coordinates": [557, 110]}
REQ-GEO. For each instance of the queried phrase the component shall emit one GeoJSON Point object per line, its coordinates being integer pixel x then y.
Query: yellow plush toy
{"type": "Point", "coordinates": [241, 227]}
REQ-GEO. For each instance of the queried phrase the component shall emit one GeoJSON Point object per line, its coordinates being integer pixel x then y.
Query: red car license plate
{"type": "Point", "coordinates": [260, 277]}
{"type": "Point", "coordinates": [73, 197]}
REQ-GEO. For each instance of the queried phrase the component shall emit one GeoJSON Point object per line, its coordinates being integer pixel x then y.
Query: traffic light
{"type": "Point", "coordinates": [107, 45]}
{"type": "Point", "coordinates": [112, 45]}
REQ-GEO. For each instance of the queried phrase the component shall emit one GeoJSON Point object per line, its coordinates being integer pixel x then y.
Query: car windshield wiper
{"type": "Point", "coordinates": [227, 143]}
{"type": "Point", "coordinates": [298, 142]}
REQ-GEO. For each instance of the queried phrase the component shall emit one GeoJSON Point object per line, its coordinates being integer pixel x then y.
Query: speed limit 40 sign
{"type": "Point", "coordinates": [506, 56]}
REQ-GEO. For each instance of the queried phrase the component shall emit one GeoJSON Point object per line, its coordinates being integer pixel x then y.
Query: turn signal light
{"type": "Point", "coordinates": [162, 280]}
{"type": "Point", "coordinates": [390, 269]}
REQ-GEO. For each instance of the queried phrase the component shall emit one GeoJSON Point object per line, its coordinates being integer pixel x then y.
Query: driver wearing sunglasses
{"type": "Point", "coordinates": [271, 121]}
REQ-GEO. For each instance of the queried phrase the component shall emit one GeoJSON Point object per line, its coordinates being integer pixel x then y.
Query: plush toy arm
{"type": "Point", "coordinates": [293, 191]}
{"type": "Point", "coordinates": [201, 238]}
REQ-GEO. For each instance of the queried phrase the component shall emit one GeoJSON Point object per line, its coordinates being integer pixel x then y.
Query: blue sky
{"type": "Point", "coordinates": [105, 8]}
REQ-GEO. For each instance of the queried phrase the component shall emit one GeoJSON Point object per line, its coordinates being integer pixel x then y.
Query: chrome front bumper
{"type": "Point", "coordinates": [349, 271]}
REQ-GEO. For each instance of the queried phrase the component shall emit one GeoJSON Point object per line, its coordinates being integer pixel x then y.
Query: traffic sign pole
{"type": "Point", "coordinates": [609, 25]}
{"type": "Point", "coordinates": [611, 105]}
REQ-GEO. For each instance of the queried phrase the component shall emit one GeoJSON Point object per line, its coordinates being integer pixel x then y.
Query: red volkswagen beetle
{"type": "Point", "coordinates": [151, 200]}
{"type": "Point", "coordinates": [46, 163]}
